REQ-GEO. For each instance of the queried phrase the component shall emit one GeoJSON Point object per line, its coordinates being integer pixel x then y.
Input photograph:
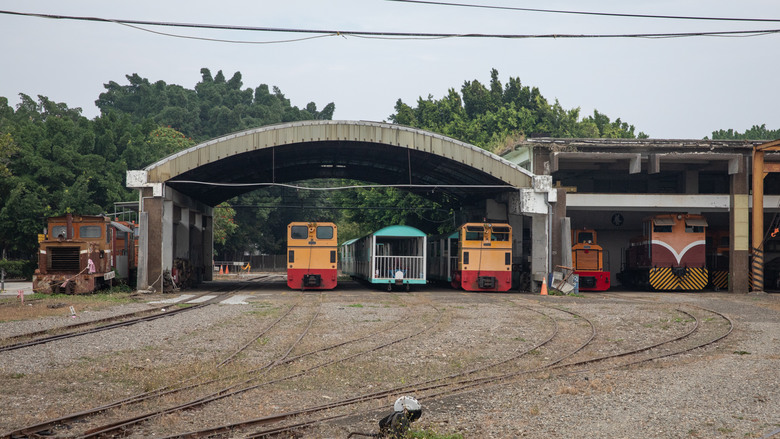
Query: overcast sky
{"type": "Point", "coordinates": [667, 88]}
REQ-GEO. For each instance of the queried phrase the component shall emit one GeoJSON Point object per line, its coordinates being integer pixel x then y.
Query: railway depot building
{"type": "Point", "coordinates": [611, 185]}
{"type": "Point", "coordinates": [542, 187]}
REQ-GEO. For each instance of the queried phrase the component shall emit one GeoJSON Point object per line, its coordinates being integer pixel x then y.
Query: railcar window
{"type": "Point", "coordinates": [584, 237]}
{"type": "Point", "coordinates": [474, 233]}
{"type": "Point", "coordinates": [662, 229]}
{"type": "Point", "coordinates": [325, 232]}
{"type": "Point", "coordinates": [693, 229]}
{"type": "Point", "coordinates": [90, 232]}
{"type": "Point", "coordinates": [57, 231]}
{"type": "Point", "coordinates": [299, 232]}
{"type": "Point", "coordinates": [499, 236]}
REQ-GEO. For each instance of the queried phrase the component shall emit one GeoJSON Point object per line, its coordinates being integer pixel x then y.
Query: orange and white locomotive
{"type": "Point", "coordinates": [311, 256]}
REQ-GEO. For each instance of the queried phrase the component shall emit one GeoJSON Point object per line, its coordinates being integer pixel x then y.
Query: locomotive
{"type": "Point", "coordinates": [588, 261]}
{"type": "Point", "coordinates": [311, 255]}
{"type": "Point", "coordinates": [669, 255]}
{"type": "Point", "coordinates": [476, 257]}
{"type": "Point", "coordinates": [83, 253]}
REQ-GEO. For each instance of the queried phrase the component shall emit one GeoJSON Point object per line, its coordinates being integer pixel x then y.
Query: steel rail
{"type": "Point", "coordinates": [426, 385]}
{"type": "Point", "coordinates": [168, 390]}
{"type": "Point", "coordinates": [87, 324]}
{"type": "Point", "coordinates": [224, 393]}
{"type": "Point", "coordinates": [37, 429]}
{"type": "Point", "coordinates": [496, 380]}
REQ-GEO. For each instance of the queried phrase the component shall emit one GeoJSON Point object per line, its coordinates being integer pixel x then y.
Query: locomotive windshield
{"type": "Point", "coordinates": [585, 237]}
{"type": "Point", "coordinates": [90, 232]}
{"type": "Point", "coordinates": [474, 233]}
{"type": "Point", "coordinates": [299, 232]}
{"type": "Point", "coordinates": [500, 234]}
{"type": "Point", "coordinates": [60, 231]}
{"type": "Point", "coordinates": [324, 232]}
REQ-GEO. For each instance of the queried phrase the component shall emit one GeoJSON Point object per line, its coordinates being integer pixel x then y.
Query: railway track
{"type": "Point", "coordinates": [246, 384]}
{"type": "Point", "coordinates": [435, 389]}
{"type": "Point", "coordinates": [563, 327]}
{"type": "Point", "coordinates": [440, 386]}
{"type": "Point", "coordinates": [94, 326]}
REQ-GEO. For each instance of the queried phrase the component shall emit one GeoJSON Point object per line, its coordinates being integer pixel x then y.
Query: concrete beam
{"type": "Point", "coordinates": [673, 202]}
{"type": "Point", "coordinates": [634, 159]}
{"type": "Point", "coordinates": [734, 161]}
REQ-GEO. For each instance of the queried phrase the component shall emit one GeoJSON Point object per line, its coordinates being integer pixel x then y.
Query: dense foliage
{"type": "Point", "coordinates": [754, 133]}
{"type": "Point", "coordinates": [215, 107]}
{"type": "Point", "coordinates": [490, 117]}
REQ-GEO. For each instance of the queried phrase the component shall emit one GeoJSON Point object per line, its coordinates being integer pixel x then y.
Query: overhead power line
{"type": "Point", "coordinates": [339, 188]}
{"type": "Point", "coordinates": [377, 35]}
{"type": "Point", "coordinates": [603, 14]}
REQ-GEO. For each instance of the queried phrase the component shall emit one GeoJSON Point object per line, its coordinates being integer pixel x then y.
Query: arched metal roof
{"type": "Point", "coordinates": [382, 153]}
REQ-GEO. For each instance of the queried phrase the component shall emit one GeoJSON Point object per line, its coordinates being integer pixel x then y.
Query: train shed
{"type": "Point", "coordinates": [610, 185]}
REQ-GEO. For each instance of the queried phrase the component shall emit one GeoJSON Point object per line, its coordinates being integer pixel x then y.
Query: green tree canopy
{"type": "Point", "coordinates": [487, 116]}
{"type": "Point", "coordinates": [756, 132]}
{"type": "Point", "coordinates": [215, 107]}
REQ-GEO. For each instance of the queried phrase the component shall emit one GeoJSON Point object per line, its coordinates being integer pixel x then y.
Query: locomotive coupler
{"type": "Point", "coordinates": [312, 280]}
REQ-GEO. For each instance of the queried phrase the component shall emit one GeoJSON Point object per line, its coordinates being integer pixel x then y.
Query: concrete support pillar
{"type": "Point", "coordinates": [516, 222]}
{"type": "Point", "coordinates": [540, 254]}
{"type": "Point", "coordinates": [150, 249]}
{"type": "Point", "coordinates": [537, 203]}
{"type": "Point", "coordinates": [558, 213]}
{"type": "Point", "coordinates": [208, 247]}
{"type": "Point", "coordinates": [182, 223]}
{"type": "Point", "coordinates": [739, 227]}
{"type": "Point", "coordinates": [565, 231]}
{"type": "Point", "coordinates": [168, 236]}
{"type": "Point", "coordinates": [173, 225]}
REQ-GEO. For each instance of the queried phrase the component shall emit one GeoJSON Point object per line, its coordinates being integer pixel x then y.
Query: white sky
{"type": "Point", "coordinates": [667, 88]}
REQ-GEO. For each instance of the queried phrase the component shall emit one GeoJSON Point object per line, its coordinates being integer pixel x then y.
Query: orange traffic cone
{"type": "Point", "coordinates": [544, 286]}
{"type": "Point", "coordinates": [220, 271]}
{"type": "Point", "coordinates": [227, 270]}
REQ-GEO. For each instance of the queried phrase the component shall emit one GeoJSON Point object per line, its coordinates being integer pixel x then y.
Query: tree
{"type": "Point", "coordinates": [756, 132]}
{"type": "Point", "coordinates": [224, 223]}
{"type": "Point", "coordinates": [217, 106]}
{"type": "Point", "coordinates": [489, 116]}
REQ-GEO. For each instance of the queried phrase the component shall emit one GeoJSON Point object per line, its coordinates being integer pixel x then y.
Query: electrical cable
{"type": "Point", "coordinates": [605, 14]}
{"type": "Point", "coordinates": [389, 35]}
{"type": "Point", "coordinates": [338, 188]}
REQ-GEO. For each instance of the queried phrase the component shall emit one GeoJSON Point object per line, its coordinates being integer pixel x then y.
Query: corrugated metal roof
{"type": "Point", "coordinates": [374, 152]}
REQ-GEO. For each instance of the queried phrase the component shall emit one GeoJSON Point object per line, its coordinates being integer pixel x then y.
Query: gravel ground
{"type": "Point", "coordinates": [728, 389]}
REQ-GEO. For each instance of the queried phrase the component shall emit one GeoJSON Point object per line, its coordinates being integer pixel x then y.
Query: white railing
{"type": "Point", "coordinates": [413, 267]}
